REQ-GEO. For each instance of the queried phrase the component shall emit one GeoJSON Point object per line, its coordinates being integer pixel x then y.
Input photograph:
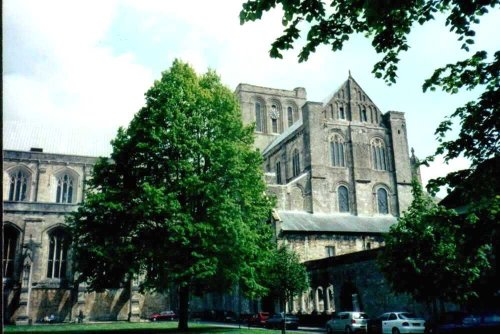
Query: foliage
{"type": "Point", "coordinates": [181, 201]}
{"type": "Point", "coordinates": [286, 276]}
{"type": "Point", "coordinates": [433, 253]}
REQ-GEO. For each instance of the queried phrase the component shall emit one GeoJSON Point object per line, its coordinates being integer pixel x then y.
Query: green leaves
{"type": "Point", "coordinates": [433, 253]}
{"type": "Point", "coordinates": [182, 200]}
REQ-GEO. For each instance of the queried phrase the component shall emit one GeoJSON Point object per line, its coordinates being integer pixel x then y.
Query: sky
{"type": "Point", "coordinates": [74, 71]}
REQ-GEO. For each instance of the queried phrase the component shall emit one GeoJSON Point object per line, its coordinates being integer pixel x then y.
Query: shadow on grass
{"type": "Point", "coordinates": [200, 330]}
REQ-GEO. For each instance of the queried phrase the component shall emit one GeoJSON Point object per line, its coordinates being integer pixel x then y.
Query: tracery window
{"type": "Point", "coordinates": [258, 118]}
{"type": "Point", "coordinates": [295, 163]}
{"type": "Point", "coordinates": [343, 194]}
{"type": "Point", "coordinates": [379, 159]}
{"type": "Point", "coordinates": [290, 116]}
{"type": "Point", "coordinates": [64, 189]}
{"type": "Point", "coordinates": [382, 202]}
{"type": "Point", "coordinates": [10, 237]}
{"type": "Point", "coordinates": [278, 172]}
{"type": "Point", "coordinates": [337, 151]}
{"type": "Point", "coordinates": [19, 181]}
{"type": "Point", "coordinates": [58, 251]}
{"type": "Point", "coordinates": [274, 118]}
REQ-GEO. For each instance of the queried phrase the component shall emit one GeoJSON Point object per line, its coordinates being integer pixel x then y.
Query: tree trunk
{"type": "Point", "coordinates": [283, 308]}
{"type": "Point", "coordinates": [183, 307]}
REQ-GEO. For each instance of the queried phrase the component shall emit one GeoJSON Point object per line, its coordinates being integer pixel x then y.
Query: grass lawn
{"type": "Point", "coordinates": [126, 327]}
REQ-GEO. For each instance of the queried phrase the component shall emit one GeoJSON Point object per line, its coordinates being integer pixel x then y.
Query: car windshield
{"type": "Point", "coordinates": [407, 315]}
{"type": "Point", "coordinates": [360, 316]}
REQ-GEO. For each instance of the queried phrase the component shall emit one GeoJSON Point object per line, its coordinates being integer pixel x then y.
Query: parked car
{"type": "Point", "coordinates": [258, 319]}
{"type": "Point", "coordinates": [163, 316]}
{"type": "Point", "coordinates": [347, 322]}
{"type": "Point", "coordinates": [396, 323]}
{"type": "Point", "coordinates": [462, 322]}
{"type": "Point", "coordinates": [277, 320]}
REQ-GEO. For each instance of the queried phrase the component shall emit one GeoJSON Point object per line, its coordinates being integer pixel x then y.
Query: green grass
{"type": "Point", "coordinates": [126, 327]}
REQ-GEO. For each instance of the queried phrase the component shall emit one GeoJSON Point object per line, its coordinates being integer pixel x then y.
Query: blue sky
{"type": "Point", "coordinates": [76, 70]}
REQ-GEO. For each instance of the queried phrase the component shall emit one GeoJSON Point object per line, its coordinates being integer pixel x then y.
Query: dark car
{"type": "Point", "coordinates": [258, 319]}
{"type": "Point", "coordinates": [462, 322]}
{"type": "Point", "coordinates": [277, 321]}
{"type": "Point", "coordinates": [163, 316]}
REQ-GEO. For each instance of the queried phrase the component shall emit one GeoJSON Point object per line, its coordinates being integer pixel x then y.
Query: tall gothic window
{"type": "Point", "coordinates": [337, 152]}
{"type": "Point", "coordinates": [58, 251]}
{"type": "Point", "coordinates": [341, 113]}
{"type": "Point", "coordinates": [278, 172]}
{"type": "Point", "coordinates": [296, 162]}
{"type": "Point", "coordinates": [258, 118]}
{"type": "Point", "coordinates": [18, 189]}
{"type": "Point", "coordinates": [10, 237]}
{"type": "Point", "coordinates": [382, 202]}
{"type": "Point", "coordinates": [274, 118]}
{"type": "Point", "coordinates": [364, 117]}
{"type": "Point", "coordinates": [290, 116]}
{"type": "Point", "coordinates": [343, 194]}
{"type": "Point", "coordinates": [64, 189]}
{"type": "Point", "coordinates": [379, 159]}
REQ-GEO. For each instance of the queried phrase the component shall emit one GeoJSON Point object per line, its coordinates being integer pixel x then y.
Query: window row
{"type": "Point", "coordinates": [58, 243]}
{"type": "Point", "coordinates": [276, 117]}
{"type": "Point", "coordinates": [295, 166]}
{"type": "Point", "coordinates": [382, 201]}
{"type": "Point", "coordinates": [20, 180]}
{"type": "Point", "coordinates": [378, 153]}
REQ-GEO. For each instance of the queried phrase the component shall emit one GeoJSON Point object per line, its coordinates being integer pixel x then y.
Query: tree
{"type": "Point", "coordinates": [182, 199]}
{"type": "Point", "coordinates": [431, 255]}
{"type": "Point", "coordinates": [286, 277]}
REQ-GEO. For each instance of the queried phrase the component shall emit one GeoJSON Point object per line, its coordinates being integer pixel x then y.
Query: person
{"type": "Point", "coordinates": [80, 317]}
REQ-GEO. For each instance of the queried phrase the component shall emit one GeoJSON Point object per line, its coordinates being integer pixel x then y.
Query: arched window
{"type": "Point", "coordinates": [58, 251]}
{"type": "Point", "coordinates": [10, 237]}
{"type": "Point", "coordinates": [18, 190]}
{"type": "Point", "coordinates": [341, 112]}
{"type": "Point", "coordinates": [337, 151]}
{"type": "Point", "coordinates": [290, 116]}
{"type": "Point", "coordinates": [362, 114]}
{"type": "Point", "coordinates": [64, 189]}
{"type": "Point", "coordinates": [278, 172]}
{"type": "Point", "coordinates": [343, 194]}
{"type": "Point", "coordinates": [259, 126]}
{"type": "Point", "coordinates": [359, 95]}
{"type": "Point", "coordinates": [382, 202]}
{"type": "Point", "coordinates": [275, 115]}
{"type": "Point", "coordinates": [379, 160]}
{"type": "Point", "coordinates": [296, 163]}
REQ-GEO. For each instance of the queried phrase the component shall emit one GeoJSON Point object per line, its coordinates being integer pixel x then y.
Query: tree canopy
{"type": "Point", "coordinates": [434, 253]}
{"type": "Point", "coordinates": [285, 276]}
{"type": "Point", "coordinates": [182, 199]}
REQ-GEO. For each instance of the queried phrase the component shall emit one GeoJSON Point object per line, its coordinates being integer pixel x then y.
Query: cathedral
{"type": "Point", "coordinates": [340, 170]}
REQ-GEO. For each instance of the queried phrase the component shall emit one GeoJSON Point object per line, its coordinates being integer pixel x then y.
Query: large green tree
{"type": "Point", "coordinates": [430, 253]}
{"type": "Point", "coordinates": [181, 201]}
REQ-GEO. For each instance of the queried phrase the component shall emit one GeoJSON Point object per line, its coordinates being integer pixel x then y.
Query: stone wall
{"type": "Point", "coordinates": [357, 282]}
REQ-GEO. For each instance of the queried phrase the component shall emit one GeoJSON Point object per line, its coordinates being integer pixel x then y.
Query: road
{"type": "Point", "coordinates": [302, 329]}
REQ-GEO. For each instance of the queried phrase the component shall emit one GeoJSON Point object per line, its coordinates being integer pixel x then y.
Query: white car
{"type": "Point", "coordinates": [347, 322]}
{"type": "Point", "coordinates": [401, 322]}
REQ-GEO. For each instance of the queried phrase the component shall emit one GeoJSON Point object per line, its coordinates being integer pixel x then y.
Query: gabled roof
{"type": "Point", "coordinates": [299, 221]}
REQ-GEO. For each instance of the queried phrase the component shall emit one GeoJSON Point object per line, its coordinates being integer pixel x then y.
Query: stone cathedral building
{"type": "Point", "coordinates": [340, 171]}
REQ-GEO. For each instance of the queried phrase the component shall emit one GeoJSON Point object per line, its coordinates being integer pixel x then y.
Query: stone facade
{"type": "Point", "coordinates": [343, 158]}
{"type": "Point", "coordinates": [340, 172]}
{"type": "Point", "coordinates": [39, 190]}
